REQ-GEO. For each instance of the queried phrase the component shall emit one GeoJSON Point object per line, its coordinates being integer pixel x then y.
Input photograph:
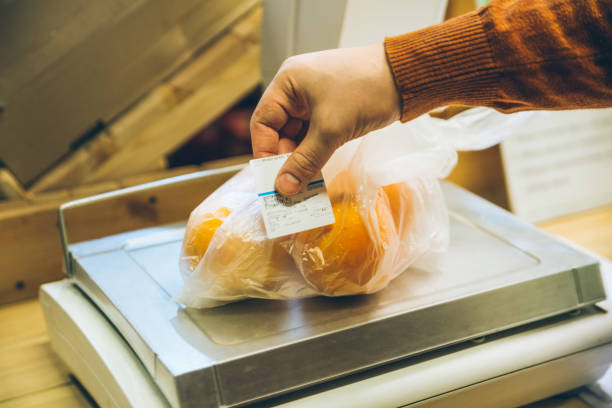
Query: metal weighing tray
{"type": "Point", "coordinates": [499, 273]}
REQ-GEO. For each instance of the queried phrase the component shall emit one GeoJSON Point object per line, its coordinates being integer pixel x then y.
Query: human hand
{"type": "Point", "coordinates": [319, 101]}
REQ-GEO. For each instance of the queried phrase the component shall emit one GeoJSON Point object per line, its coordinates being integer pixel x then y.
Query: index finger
{"type": "Point", "coordinates": [268, 119]}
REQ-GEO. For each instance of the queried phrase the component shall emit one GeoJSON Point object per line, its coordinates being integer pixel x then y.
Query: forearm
{"type": "Point", "coordinates": [510, 55]}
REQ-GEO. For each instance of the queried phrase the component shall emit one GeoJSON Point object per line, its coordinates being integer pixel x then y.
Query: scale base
{"type": "Point", "coordinates": [506, 370]}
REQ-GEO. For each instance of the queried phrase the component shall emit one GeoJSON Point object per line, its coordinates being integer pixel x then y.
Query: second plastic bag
{"type": "Point", "coordinates": [389, 212]}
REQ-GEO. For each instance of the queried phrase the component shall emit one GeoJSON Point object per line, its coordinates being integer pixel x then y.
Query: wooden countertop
{"type": "Point", "coordinates": [32, 375]}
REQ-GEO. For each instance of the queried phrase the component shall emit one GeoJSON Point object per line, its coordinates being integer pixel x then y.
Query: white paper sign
{"type": "Point", "coordinates": [306, 210]}
{"type": "Point", "coordinates": [560, 163]}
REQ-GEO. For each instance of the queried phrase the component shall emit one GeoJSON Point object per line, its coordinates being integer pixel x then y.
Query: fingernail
{"type": "Point", "coordinates": [288, 184]}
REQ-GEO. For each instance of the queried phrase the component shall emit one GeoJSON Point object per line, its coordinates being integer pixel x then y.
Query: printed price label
{"type": "Point", "coordinates": [287, 215]}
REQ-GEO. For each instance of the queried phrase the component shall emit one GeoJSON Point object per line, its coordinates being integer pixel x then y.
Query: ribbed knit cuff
{"type": "Point", "coordinates": [449, 63]}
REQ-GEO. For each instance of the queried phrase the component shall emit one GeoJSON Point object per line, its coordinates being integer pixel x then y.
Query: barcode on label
{"type": "Point", "coordinates": [287, 215]}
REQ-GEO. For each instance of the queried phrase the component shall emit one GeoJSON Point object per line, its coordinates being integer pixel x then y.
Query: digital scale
{"type": "Point", "coordinates": [509, 316]}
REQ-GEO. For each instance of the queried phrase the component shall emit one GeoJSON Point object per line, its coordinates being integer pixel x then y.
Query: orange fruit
{"type": "Point", "coordinates": [399, 199]}
{"type": "Point", "coordinates": [199, 233]}
{"type": "Point", "coordinates": [238, 261]}
{"type": "Point", "coordinates": [344, 258]}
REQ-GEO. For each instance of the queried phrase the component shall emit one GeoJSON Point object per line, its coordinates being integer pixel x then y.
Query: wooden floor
{"type": "Point", "coordinates": [31, 375]}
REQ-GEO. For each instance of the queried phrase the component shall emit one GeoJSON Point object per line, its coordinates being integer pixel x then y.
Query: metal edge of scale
{"type": "Point", "coordinates": [188, 377]}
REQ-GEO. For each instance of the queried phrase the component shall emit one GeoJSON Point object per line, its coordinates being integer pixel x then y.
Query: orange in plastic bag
{"type": "Point", "coordinates": [226, 255]}
{"type": "Point", "coordinates": [200, 232]}
{"type": "Point", "coordinates": [342, 259]}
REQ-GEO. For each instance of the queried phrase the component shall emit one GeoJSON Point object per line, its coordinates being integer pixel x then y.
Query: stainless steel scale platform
{"type": "Point", "coordinates": [499, 274]}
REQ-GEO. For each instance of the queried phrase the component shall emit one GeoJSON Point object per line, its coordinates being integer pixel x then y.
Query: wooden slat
{"type": "Point", "coordinates": [202, 109]}
{"type": "Point", "coordinates": [172, 112]}
{"type": "Point", "coordinates": [10, 188]}
{"type": "Point", "coordinates": [89, 63]}
{"type": "Point", "coordinates": [66, 396]}
{"type": "Point", "coordinates": [229, 70]}
{"type": "Point", "coordinates": [30, 253]}
{"type": "Point", "coordinates": [154, 206]}
{"type": "Point", "coordinates": [73, 169]}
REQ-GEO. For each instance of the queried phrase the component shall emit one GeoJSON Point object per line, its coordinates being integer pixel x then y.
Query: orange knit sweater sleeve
{"type": "Point", "coordinates": [510, 55]}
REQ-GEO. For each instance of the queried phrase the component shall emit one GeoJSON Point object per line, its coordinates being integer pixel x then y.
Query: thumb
{"type": "Point", "coordinates": [303, 164]}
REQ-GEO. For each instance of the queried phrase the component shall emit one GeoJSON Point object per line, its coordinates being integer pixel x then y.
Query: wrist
{"type": "Point", "coordinates": [387, 81]}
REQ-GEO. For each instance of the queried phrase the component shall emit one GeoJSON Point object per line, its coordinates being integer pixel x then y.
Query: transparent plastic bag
{"type": "Point", "coordinates": [475, 128]}
{"type": "Point", "coordinates": [389, 212]}
{"type": "Point", "coordinates": [226, 255]}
